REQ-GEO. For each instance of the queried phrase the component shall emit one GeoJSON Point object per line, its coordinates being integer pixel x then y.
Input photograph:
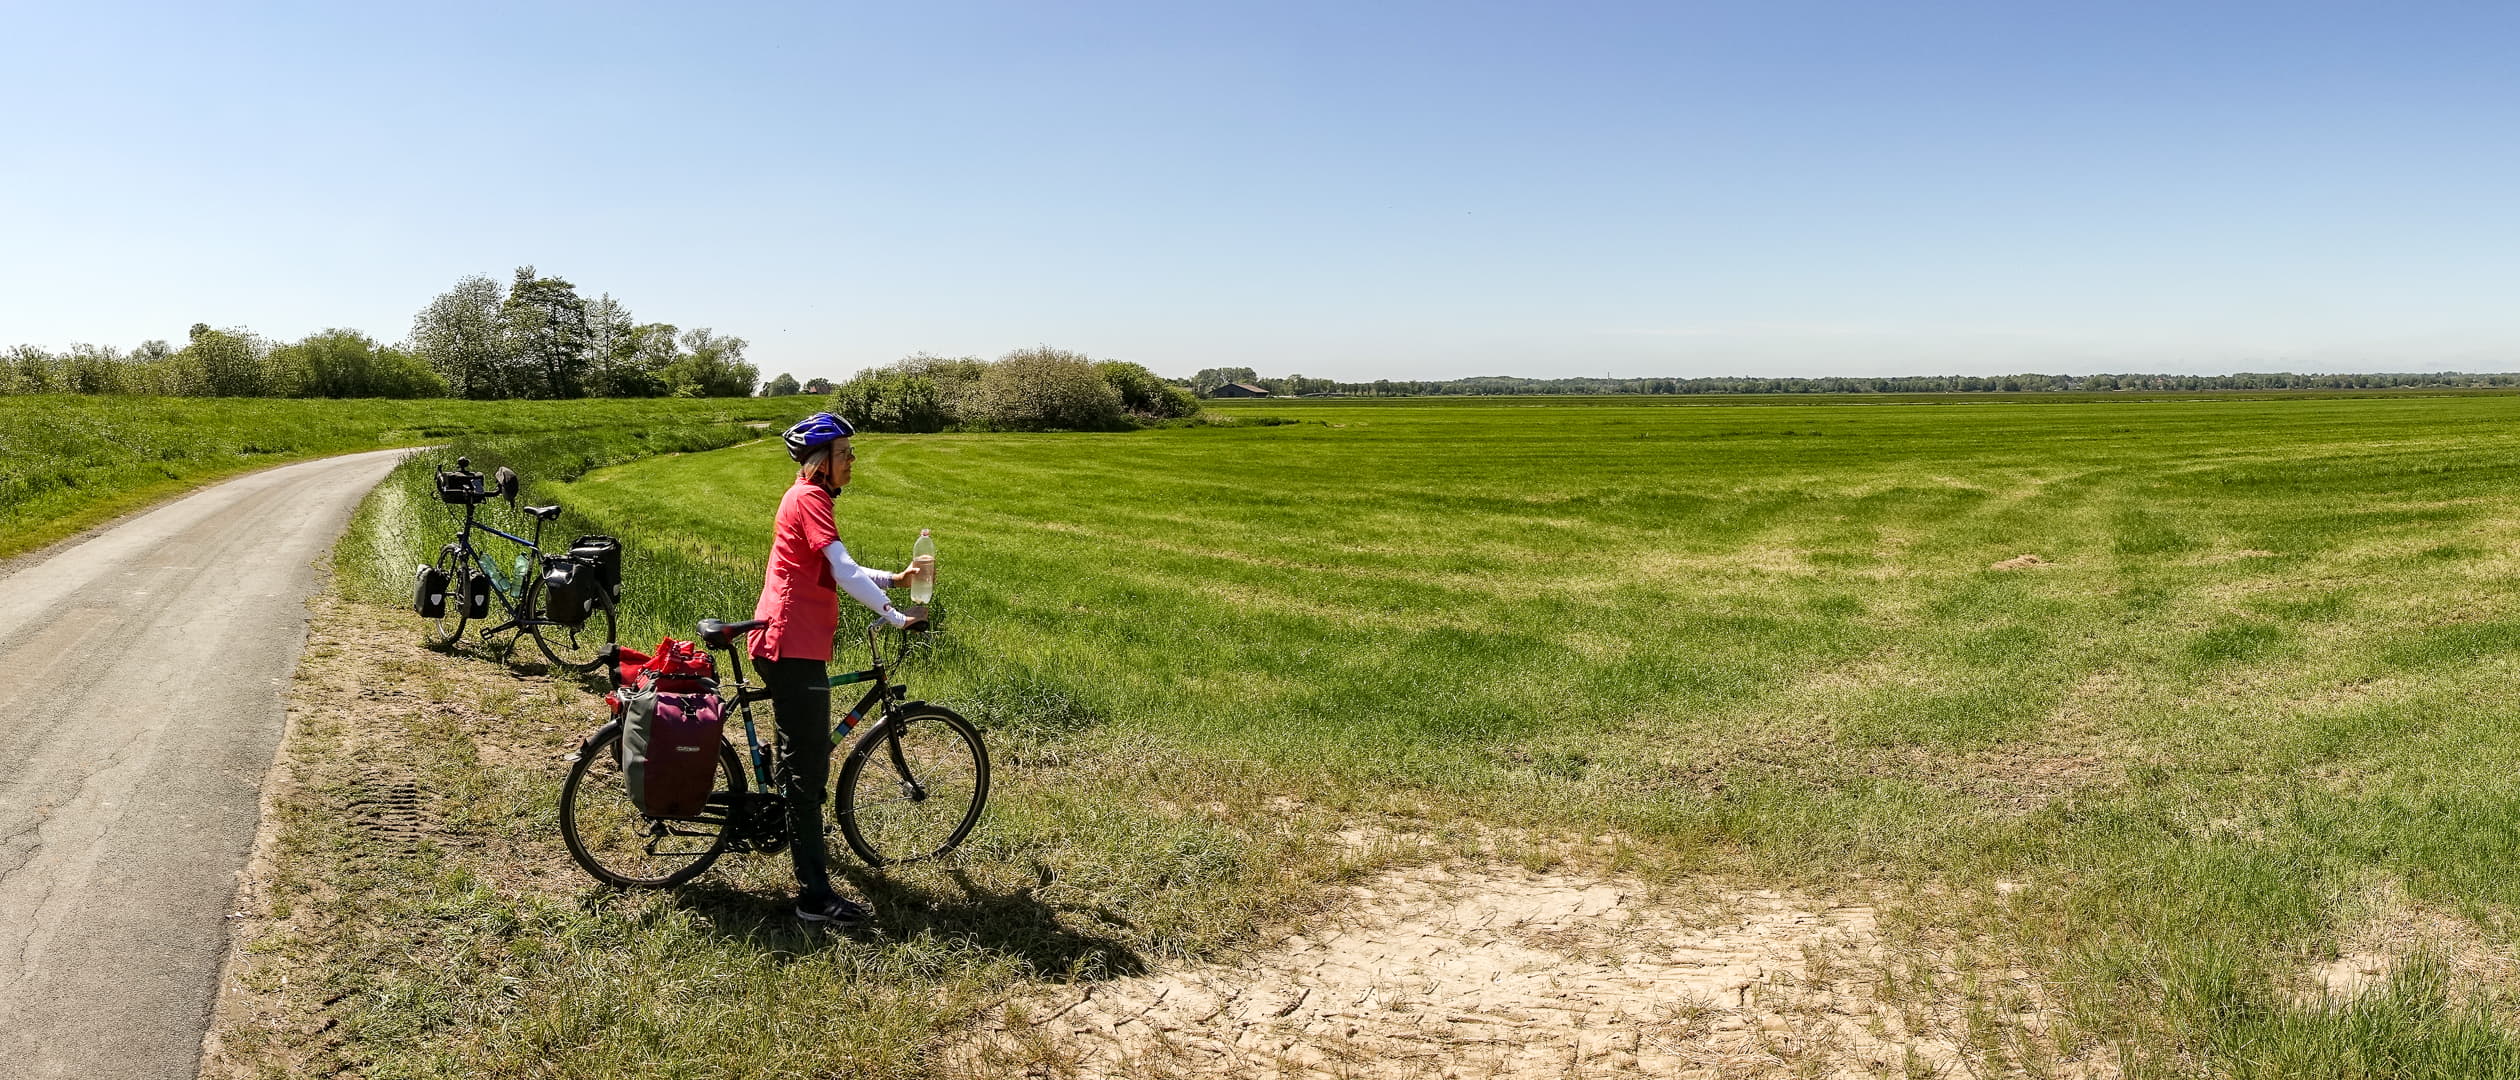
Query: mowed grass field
{"type": "Point", "coordinates": [2246, 704]}
{"type": "Point", "coordinates": [68, 461]}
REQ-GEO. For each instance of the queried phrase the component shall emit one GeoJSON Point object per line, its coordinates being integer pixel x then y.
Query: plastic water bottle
{"type": "Point", "coordinates": [923, 556]}
{"type": "Point", "coordinates": [498, 576]}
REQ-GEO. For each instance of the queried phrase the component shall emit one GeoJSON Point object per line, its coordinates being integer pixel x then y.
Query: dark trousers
{"type": "Point", "coordinates": [800, 703]}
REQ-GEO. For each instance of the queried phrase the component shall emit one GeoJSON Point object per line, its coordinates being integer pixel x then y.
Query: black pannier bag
{"type": "Point", "coordinates": [568, 590]}
{"type": "Point", "coordinates": [460, 488]}
{"type": "Point", "coordinates": [428, 592]}
{"type": "Point", "coordinates": [477, 596]}
{"type": "Point", "coordinates": [602, 554]}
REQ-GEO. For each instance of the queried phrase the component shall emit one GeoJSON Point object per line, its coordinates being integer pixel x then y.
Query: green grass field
{"type": "Point", "coordinates": [68, 461]}
{"type": "Point", "coordinates": [2254, 680]}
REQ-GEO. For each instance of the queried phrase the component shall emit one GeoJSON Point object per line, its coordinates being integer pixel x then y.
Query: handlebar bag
{"type": "Point", "coordinates": [669, 750]}
{"type": "Point", "coordinates": [460, 488]}
{"type": "Point", "coordinates": [428, 592]}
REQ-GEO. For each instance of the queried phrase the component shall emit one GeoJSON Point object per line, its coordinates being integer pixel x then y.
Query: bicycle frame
{"type": "Point", "coordinates": [885, 690]}
{"type": "Point", "coordinates": [525, 590]}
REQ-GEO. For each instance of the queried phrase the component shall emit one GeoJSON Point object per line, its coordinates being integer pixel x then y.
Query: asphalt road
{"type": "Point", "coordinates": [141, 677]}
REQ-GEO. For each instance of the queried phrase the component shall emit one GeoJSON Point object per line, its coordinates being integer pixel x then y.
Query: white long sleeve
{"type": "Point", "coordinates": [863, 585]}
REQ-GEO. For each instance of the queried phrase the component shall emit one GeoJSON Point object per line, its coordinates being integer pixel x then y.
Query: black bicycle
{"type": "Point", "coordinates": [911, 788]}
{"type": "Point", "coordinates": [562, 601]}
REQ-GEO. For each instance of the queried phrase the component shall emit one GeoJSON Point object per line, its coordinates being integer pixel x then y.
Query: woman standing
{"type": "Point", "coordinates": [800, 588]}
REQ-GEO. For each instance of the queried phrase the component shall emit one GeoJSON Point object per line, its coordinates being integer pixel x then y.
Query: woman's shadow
{"type": "Point", "coordinates": [1015, 923]}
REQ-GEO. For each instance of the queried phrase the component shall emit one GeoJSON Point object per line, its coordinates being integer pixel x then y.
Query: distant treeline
{"type": "Point", "coordinates": [1297, 385]}
{"type": "Point", "coordinates": [535, 338]}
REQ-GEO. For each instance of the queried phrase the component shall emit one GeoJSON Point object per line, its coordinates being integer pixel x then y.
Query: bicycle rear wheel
{"type": "Point", "coordinates": [571, 647]}
{"type": "Point", "coordinates": [449, 624]}
{"type": "Point", "coordinates": [913, 786]}
{"type": "Point", "coordinates": [613, 841]}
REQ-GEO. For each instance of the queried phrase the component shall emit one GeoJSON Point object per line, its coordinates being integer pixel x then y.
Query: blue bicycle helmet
{"type": "Point", "coordinates": [813, 432]}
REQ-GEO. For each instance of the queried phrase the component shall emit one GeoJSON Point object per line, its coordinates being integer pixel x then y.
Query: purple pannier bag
{"type": "Point", "coordinates": [669, 750]}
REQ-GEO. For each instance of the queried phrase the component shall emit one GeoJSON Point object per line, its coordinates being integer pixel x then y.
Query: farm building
{"type": "Point", "coordinates": [1238, 389]}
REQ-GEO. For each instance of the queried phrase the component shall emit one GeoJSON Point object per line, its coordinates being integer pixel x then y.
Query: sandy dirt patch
{"type": "Point", "coordinates": [2024, 561]}
{"type": "Point", "coordinates": [2388, 929]}
{"type": "Point", "coordinates": [1500, 972]}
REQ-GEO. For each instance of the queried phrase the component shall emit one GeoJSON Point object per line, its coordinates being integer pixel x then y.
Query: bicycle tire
{"type": "Point", "coordinates": [597, 790]}
{"type": "Point", "coordinates": [448, 627]}
{"type": "Point", "coordinates": [575, 648]}
{"type": "Point", "coordinates": [888, 819]}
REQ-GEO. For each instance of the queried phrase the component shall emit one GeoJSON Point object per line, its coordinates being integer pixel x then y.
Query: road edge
{"type": "Point", "coordinates": [10, 565]}
{"type": "Point", "coordinates": [254, 877]}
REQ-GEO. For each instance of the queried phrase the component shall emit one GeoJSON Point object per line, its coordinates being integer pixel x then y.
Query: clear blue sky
{"type": "Point", "coordinates": [1355, 190]}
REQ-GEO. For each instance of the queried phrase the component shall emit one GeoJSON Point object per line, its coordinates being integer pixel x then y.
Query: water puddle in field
{"type": "Point", "coordinates": [1499, 972]}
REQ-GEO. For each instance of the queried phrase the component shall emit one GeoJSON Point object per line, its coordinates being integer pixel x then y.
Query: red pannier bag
{"type": "Point", "coordinates": [672, 722]}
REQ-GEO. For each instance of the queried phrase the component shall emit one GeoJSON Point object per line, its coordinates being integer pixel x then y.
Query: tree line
{"type": "Point", "coordinates": [534, 337]}
{"type": "Point", "coordinates": [1207, 380]}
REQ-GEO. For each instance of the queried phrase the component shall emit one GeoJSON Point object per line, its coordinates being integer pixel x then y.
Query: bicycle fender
{"type": "Point", "coordinates": [588, 746]}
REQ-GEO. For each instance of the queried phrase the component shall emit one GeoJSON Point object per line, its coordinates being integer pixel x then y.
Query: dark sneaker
{"type": "Point", "coordinates": [833, 909]}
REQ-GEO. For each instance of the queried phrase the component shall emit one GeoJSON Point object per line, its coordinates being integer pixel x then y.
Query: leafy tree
{"type": "Point", "coordinates": [818, 385]}
{"type": "Point", "coordinates": [711, 365]}
{"type": "Point", "coordinates": [619, 352]}
{"type": "Point", "coordinates": [91, 369]}
{"type": "Point", "coordinates": [783, 386]}
{"type": "Point", "coordinates": [652, 348]}
{"type": "Point", "coordinates": [957, 380]}
{"type": "Point", "coordinates": [1042, 389]}
{"type": "Point", "coordinates": [1208, 379]}
{"type": "Point", "coordinates": [230, 363]}
{"type": "Point", "coordinates": [460, 335]}
{"type": "Point", "coordinates": [341, 363]}
{"type": "Point", "coordinates": [28, 370]}
{"type": "Point", "coordinates": [891, 399]}
{"type": "Point", "coordinates": [548, 336]}
{"type": "Point", "coordinates": [1144, 393]}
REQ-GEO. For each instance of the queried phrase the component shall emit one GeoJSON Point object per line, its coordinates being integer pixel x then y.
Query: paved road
{"type": "Point", "coordinates": [141, 675]}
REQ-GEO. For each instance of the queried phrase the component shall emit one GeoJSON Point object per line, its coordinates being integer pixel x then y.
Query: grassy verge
{"type": "Point", "coordinates": [71, 461]}
{"type": "Point", "coordinates": [2246, 686]}
{"type": "Point", "coordinates": [423, 919]}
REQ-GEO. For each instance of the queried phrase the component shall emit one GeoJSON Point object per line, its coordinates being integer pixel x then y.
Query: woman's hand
{"type": "Point", "coordinates": [924, 564]}
{"type": "Point", "coordinates": [916, 614]}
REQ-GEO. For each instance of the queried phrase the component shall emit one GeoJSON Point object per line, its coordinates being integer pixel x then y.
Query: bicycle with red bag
{"type": "Point", "coordinates": [648, 805]}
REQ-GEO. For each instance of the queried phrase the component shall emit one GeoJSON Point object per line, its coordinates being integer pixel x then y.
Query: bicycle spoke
{"type": "Point", "coordinates": [618, 843]}
{"type": "Point", "coordinates": [913, 789]}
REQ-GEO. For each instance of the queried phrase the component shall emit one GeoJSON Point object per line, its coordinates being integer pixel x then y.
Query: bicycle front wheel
{"type": "Point", "coordinates": [613, 841]}
{"type": "Point", "coordinates": [572, 647]}
{"type": "Point", "coordinates": [913, 786]}
{"type": "Point", "coordinates": [449, 624]}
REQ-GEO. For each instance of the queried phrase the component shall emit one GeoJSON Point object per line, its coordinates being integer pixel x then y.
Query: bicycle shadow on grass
{"type": "Point", "coordinates": [521, 663]}
{"type": "Point", "coordinates": [1012, 923]}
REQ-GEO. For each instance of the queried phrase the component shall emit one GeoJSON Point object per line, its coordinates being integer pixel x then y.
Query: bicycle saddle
{"type": "Point", "coordinates": [718, 634]}
{"type": "Point", "coordinates": [546, 513]}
